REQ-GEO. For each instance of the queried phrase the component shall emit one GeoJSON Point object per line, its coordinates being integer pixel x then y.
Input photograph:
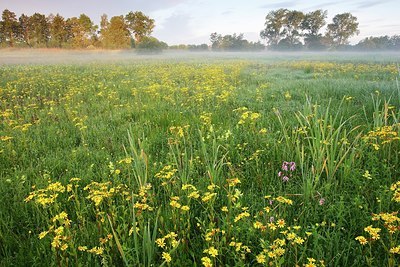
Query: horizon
{"type": "Point", "coordinates": [177, 21]}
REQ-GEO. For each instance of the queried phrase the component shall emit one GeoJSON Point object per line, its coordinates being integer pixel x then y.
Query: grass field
{"type": "Point", "coordinates": [202, 162]}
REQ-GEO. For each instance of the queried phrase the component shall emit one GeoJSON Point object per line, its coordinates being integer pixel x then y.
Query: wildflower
{"type": "Point", "coordinates": [241, 216]}
{"type": "Point", "coordinates": [213, 252]}
{"type": "Point", "coordinates": [291, 236]}
{"type": "Point", "coordinates": [258, 225]}
{"type": "Point", "coordinates": [299, 240]}
{"type": "Point", "coordinates": [281, 223]}
{"type": "Point", "coordinates": [367, 175]}
{"type": "Point", "coordinates": [224, 209]}
{"type": "Point", "coordinates": [96, 250]}
{"type": "Point", "coordinates": [206, 261]}
{"type": "Point", "coordinates": [261, 258]}
{"type": "Point", "coordinates": [285, 178]}
{"type": "Point", "coordinates": [311, 263]}
{"type": "Point", "coordinates": [263, 131]}
{"type": "Point", "coordinates": [292, 166]}
{"type": "Point", "coordinates": [166, 256]}
{"type": "Point", "coordinates": [185, 208]}
{"type": "Point", "coordinates": [208, 196]}
{"type": "Point", "coordinates": [82, 248]}
{"type": "Point", "coordinates": [374, 232]}
{"type": "Point", "coordinates": [43, 234]}
{"type": "Point", "coordinates": [395, 250]}
{"type": "Point", "coordinates": [5, 138]}
{"type": "Point", "coordinates": [175, 204]}
{"type": "Point", "coordinates": [233, 181]}
{"type": "Point", "coordinates": [362, 240]}
{"type": "Point", "coordinates": [194, 194]}
{"type": "Point", "coordinates": [285, 165]}
{"type": "Point", "coordinates": [322, 201]}
{"type": "Point", "coordinates": [284, 200]}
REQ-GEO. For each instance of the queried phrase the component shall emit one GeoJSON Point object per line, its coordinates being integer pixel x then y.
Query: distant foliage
{"type": "Point", "coordinates": [151, 44]}
{"type": "Point", "coordinates": [380, 43]}
{"type": "Point", "coordinates": [293, 30]}
{"type": "Point", "coordinates": [235, 42]}
{"type": "Point", "coordinates": [38, 31]}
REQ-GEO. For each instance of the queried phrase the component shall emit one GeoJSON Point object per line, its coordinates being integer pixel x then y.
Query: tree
{"type": "Point", "coordinates": [379, 43]}
{"type": "Point", "coordinates": [234, 42]}
{"type": "Point", "coordinates": [151, 44]}
{"type": "Point", "coordinates": [311, 25]}
{"type": "Point", "coordinates": [114, 34]}
{"type": "Point", "coordinates": [283, 29]}
{"type": "Point", "coordinates": [274, 23]}
{"type": "Point", "coordinates": [343, 27]}
{"type": "Point", "coordinates": [292, 25]}
{"type": "Point", "coordinates": [9, 27]}
{"type": "Point", "coordinates": [215, 40]}
{"type": "Point", "coordinates": [139, 24]}
{"type": "Point", "coordinates": [39, 31]}
{"type": "Point", "coordinates": [81, 31]}
{"type": "Point", "coordinates": [58, 31]}
{"type": "Point", "coordinates": [23, 29]}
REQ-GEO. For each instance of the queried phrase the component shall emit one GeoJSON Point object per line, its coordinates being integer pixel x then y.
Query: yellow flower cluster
{"type": "Point", "coordinates": [60, 232]}
{"type": "Point", "coordinates": [48, 195]}
{"type": "Point", "coordinates": [381, 136]}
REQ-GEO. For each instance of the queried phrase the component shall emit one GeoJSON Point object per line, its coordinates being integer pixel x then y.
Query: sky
{"type": "Point", "coordinates": [192, 21]}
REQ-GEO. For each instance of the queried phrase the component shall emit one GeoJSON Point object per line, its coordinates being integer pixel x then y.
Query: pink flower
{"type": "Point", "coordinates": [285, 178]}
{"type": "Point", "coordinates": [285, 165]}
{"type": "Point", "coordinates": [292, 166]}
{"type": "Point", "coordinates": [322, 201]}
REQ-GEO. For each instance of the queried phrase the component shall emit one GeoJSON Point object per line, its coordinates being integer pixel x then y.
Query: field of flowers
{"type": "Point", "coordinates": [194, 163]}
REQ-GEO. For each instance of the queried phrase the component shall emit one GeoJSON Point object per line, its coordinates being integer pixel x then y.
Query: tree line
{"type": "Point", "coordinates": [294, 30]}
{"type": "Point", "coordinates": [55, 31]}
{"type": "Point", "coordinates": [284, 29]}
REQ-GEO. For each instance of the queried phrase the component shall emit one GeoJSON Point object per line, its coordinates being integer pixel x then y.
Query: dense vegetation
{"type": "Point", "coordinates": [284, 30]}
{"type": "Point", "coordinates": [55, 31]}
{"type": "Point", "coordinates": [238, 163]}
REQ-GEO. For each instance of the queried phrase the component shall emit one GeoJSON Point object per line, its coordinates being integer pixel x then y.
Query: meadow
{"type": "Point", "coordinates": [204, 162]}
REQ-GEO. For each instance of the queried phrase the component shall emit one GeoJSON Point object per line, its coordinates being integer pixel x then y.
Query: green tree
{"type": "Point", "coordinates": [234, 42]}
{"type": "Point", "coordinates": [150, 44]}
{"type": "Point", "coordinates": [283, 29]}
{"type": "Point", "coordinates": [58, 31]}
{"type": "Point", "coordinates": [81, 31]}
{"type": "Point", "coordinates": [115, 34]}
{"type": "Point", "coordinates": [274, 26]}
{"type": "Point", "coordinates": [139, 24]}
{"type": "Point", "coordinates": [292, 27]}
{"type": "Point", "coordinates": [39, 31]}
{"type": "Point", "coordinates": [216, 40]}
{"type": "Point", "coordinates": [311, 25]}
{"type": "Point", "coordinates": [23, 30]}
{"type": "Point", "coordinates": [9, 27]}
{"type": "Point", "coordinates": [343, 27]}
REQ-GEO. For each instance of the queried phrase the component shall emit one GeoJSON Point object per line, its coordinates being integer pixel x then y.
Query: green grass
{"type": "Point", "coordinates": [182, 157]}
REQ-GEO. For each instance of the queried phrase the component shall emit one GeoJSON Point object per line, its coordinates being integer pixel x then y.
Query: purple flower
{"type": "Point", "coordinates": [292, 166]}
{"type": "Point", "coordinates": [285, 178]}
{"type": "Point", "coordinates": [322, 201]}
{"type": "Point", "coordinates": [285, 165]}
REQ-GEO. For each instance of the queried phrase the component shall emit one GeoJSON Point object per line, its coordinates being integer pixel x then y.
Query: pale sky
{"type": "Point", "coordinates": [192, 21]}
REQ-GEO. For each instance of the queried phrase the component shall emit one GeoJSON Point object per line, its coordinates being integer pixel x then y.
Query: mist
{"type": "Point", "coordinates": [59, 56]}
